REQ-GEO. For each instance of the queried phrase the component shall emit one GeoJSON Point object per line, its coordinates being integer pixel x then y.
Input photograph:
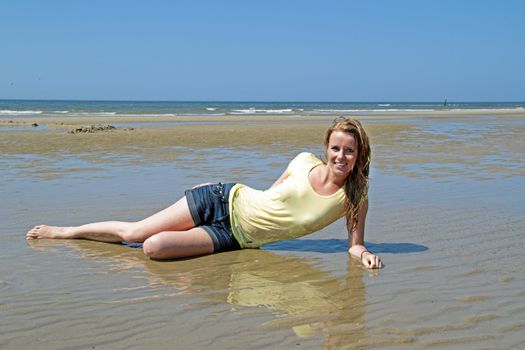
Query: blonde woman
{"type": "Point", "coordinates": [211, 218]}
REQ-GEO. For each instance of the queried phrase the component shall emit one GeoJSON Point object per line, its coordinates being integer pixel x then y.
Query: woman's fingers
{"type": "Point", "coordinates": [372, 261]}
{"type": "Point", "coordinates": [377, 263]}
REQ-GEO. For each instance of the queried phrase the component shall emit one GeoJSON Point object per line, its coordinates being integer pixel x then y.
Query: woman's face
{"type": "Point", "coordinates": [341, 153]}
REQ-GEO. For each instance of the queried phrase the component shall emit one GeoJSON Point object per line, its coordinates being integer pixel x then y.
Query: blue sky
{"type": "Point", "coordinates": [263, 50]}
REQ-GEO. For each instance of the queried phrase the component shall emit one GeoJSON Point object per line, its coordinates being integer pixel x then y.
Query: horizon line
{"type": "Point", "coordinates": [260, 101]}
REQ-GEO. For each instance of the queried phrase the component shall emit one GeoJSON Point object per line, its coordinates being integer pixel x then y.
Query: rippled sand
{"type": "Point", "coordinates": [447, 217]}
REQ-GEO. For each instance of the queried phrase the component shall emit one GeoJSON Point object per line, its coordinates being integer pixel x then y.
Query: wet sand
{"type": "Point", "coordinates": [446, 216]}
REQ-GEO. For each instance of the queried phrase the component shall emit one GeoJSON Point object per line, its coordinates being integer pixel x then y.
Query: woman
{"type": "Point", "coordinates": [210, 218]}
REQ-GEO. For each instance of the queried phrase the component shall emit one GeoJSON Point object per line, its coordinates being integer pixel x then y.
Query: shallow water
{"type": "Point", "coordinates": [452, 243]}
{"type": "Point", "coordinates": [22, 127]}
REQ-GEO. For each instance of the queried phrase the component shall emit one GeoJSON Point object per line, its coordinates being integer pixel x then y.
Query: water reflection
{"type": "Point", "coordinates": [299, 294]}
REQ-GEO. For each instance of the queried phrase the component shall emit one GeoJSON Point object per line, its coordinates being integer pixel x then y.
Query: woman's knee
{"type": "Point", "coordinates": [152, 247]}
{"type": "Point", "coordinates": [171, 245]}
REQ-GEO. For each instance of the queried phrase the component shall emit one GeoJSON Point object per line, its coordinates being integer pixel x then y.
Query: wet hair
{"type": "Point", "coordinates": [356, 184]}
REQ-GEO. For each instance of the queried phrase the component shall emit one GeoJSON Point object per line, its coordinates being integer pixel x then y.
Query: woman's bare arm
{"type": "Point", "coordinates": [356, 240]}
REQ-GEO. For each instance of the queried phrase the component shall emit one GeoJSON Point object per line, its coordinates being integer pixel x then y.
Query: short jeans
{"type": "Point", "coordinates": [209, 209]}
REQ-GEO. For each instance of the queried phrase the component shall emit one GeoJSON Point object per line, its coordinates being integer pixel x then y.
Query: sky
{"type": "Point", "coordinates": [284, 50]}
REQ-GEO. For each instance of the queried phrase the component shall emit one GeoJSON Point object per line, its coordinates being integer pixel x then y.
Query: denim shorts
{"type": "Point", "coordinates": [209, 209]}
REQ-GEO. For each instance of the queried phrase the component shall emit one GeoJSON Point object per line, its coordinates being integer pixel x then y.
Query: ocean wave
{"type": "Point", "coordinates": [330, 111]}
{"type": "Point", "coordinates": [149, 114]}
{"type": "Point", "coordinates": [335, 111]}
{"type": "Point", "coordinates": [261, 111]}
{"type": "Point", "coordinates": [95, 114]}
{"type": "Point", "coordinates": [10, 112]}
{"type": "Point", "coordinates": [211, 109]}
{"type": "Point", "coordinates": [401, 110]}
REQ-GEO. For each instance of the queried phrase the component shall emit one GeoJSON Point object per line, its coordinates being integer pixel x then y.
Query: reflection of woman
{"type": "Point", "coordinates": [305, 298]}
{"type": "Point", "coordinates": [308, 196]}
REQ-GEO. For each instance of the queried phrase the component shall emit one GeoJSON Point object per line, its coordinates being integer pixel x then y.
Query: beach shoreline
{"type": "Point", "coordinates": [365, 115]}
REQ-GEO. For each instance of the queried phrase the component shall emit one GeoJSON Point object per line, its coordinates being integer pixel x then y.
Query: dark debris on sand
{"type": "Point", "coordinates": [94, 128]}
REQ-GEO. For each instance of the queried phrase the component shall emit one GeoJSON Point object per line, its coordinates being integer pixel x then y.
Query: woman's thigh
{"type": "Point", "coordinates": [178, 244]}
{"type": "Point", "coordinates": [176, 217]}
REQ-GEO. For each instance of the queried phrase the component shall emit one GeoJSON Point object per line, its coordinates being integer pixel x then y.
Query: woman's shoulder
{"type": "Point", "coordinates": [305, 159]}
{"type": "Point", "coordinates": [307, 156]}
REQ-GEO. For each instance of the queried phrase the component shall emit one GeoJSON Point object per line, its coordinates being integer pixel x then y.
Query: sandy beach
{"type": "Point", "coordinates": [447, 216]}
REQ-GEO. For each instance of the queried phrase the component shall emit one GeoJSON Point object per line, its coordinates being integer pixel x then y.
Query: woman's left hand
{"type": "Point", "coordinates": [371, 261]}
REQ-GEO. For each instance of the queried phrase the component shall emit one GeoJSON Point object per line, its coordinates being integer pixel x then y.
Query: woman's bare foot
{"type": "Point", "coordinates": [43, 231]}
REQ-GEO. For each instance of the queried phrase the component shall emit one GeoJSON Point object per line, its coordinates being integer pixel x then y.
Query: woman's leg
{"type": "Point", "coordinates": [174, 218]}
{"type": "Point", "coordinates": [178, 244]}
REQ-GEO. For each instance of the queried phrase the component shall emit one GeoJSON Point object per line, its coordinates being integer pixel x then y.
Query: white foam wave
{"type": "Point", "coordinates": [151, 115]}
{"type": "Point", "coordinates": [335, 111]}
{"type": "Point", "coordinates": [95, 114]}
{"type": "Point", "coordinates": [211, 109]}
{"type": "Point", "coordinates": [264, 111]}
{"type": "Point", "coordinates": [399, 110]}
{"type": "Point", "coordinates": [10, 112]}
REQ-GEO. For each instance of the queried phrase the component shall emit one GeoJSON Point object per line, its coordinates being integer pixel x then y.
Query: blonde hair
{"type": "Point", "coordinates": [356, 184]}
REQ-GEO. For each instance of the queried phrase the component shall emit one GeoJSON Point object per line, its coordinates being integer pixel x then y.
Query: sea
{"type": "Point", "coordinates": [79, 108]}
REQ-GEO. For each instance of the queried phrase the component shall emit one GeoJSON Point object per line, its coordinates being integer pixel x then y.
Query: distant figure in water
{"type": "Point", "coordinates": [211, 218]}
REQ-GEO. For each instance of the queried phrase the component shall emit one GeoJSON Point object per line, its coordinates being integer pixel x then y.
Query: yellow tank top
{"type": "Point", "coordinates": [289, 210]}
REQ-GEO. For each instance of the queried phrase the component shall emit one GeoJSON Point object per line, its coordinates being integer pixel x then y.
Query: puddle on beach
{"type": "Point", "coordinates": [479, 149]}
{"type": "Point", "coordinates": [22, 128]}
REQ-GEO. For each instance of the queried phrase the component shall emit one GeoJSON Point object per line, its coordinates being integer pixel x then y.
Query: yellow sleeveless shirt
{"type": "Point", "coordinates": [289, 210]}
